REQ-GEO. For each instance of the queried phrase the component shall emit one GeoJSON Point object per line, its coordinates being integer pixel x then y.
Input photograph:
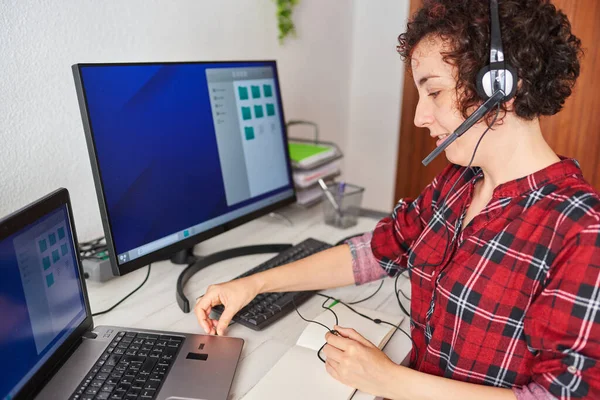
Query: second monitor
{"type": "Point", "coordinates": [181, 152]}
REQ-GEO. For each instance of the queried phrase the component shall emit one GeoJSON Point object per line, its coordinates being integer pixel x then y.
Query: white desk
{"type": "Point", "coordinates": [154, 305]}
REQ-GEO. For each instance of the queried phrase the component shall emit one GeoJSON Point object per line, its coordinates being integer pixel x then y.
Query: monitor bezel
{"type": "Point", "coordinates": [166, 252]}
{"type": "Point", "coordinates": [16, 222]}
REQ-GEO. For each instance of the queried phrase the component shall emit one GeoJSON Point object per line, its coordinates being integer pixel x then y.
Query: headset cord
{"type": "Point", "coordinates": [374, 320]}
{"type": "Point", "coordinates": [446, 231]}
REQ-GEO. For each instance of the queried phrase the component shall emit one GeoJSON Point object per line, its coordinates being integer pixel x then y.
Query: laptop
{"type": "Point", "coordinates": [49, 346]}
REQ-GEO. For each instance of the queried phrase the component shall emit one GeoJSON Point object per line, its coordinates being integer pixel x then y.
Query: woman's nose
{"type": "Point", "coordinates": [423, 115]}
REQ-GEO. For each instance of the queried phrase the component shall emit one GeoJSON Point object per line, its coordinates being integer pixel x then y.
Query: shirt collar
{"type": "Point", "coordinates": [552, 173]}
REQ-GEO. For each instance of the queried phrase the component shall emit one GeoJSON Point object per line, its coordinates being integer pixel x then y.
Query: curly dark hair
{"type": "Point", "coordinates": [537, 42]}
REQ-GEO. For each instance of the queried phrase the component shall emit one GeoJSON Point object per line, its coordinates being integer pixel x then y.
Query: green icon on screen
{"type": "Point", "coordinates": [258, 111]}
{"type": "Point", "coordinates": [256, 92]}
{"type": "Point", "coordinates": [249, 131]}
{"type": "Point", "coordinates": [270, 110]}
{"type": "Point", "coordinates": [246, 114]}
{"type": "Point", "coordinates": [243, 91]}
{"type": "Point", "coordinates": [50, 279]}
{"type": "Point", "coordinates": [268, 90]}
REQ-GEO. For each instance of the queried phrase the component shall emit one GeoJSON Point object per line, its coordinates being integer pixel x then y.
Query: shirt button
{"type": "Point", "coordinates": [572, 369]}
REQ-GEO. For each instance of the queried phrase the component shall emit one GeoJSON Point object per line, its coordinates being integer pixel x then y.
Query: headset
{"type": "Point", "coordinates": [496, 83]}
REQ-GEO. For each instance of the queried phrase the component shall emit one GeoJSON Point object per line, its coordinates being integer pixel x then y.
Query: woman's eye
{"type": "Point", "coordinates": [434, 94]}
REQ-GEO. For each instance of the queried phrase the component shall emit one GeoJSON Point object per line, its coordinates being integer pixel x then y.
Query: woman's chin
{"type": "Point", "coordinates": [455, 158]}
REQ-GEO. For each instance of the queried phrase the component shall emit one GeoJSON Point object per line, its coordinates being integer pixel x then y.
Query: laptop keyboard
{"type": "Point", "coordinates": [133, 366]}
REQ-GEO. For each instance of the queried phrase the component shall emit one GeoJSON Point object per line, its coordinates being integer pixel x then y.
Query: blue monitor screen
{"type": "Point", "coordinates": [184, 147]}
{"type": "Point", "coordinates": [41, 298]}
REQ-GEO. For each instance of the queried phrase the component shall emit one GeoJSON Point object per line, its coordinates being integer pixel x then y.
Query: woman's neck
{"type": "Point", "coordinates": [516, 149]}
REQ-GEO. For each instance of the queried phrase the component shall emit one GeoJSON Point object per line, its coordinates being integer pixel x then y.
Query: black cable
{"type": "Point", "coordinates": [307, 320]}
{"type": "Point", "coordinates": [403, 294]}
{"type": "Point", "coordinates": [374, 320]}
{"type": "Point", "coordinates": [91, 249]}
{"type": "Point", "coordinates": [126, 297]}
{"type": "Point", "coordinates": [333, 312]}
{"type": "Point", "coordinates": [396, 292]}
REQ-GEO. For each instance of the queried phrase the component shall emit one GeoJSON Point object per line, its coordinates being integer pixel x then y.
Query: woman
{"type": "Point", "coordinates": [504, 257]}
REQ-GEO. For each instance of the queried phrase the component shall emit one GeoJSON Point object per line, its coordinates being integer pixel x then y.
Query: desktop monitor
{"type": "Point", "coordinates": [182, 151]}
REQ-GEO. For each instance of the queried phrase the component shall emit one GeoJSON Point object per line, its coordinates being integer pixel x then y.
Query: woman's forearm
{"type": "Point", "coordinates": [327, 269]}
{"type": "Point", "coordinates": [414, 385]}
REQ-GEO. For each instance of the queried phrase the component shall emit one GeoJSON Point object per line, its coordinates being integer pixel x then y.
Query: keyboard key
{"type": "Point", "coordinates": [108, 388]}
{"type": "Point", "coordinates": [123, 387]}
{"type": "Point", "coordinates": [147, 336]}
{"type": "Point", "coordinates": [148, 366]}
{"type": "Point", "coordinates": [155, 377]}
{"type": "Point", "coordinates": [102, 396]}
{"type": "Point", "coordinates": [171, 338]}
{"type": "Point", "coordinates": [160, 369]}
{"type": "Point", "coordinates": [152, 385]}
{"type": "Point", "coordinates": [91, 390]}
{"type": "Point", "coordinates": [97, 384]}
{"type": "Point", "coordinates": [134, 392]}
{"type": "Point", "coordinates": [113, 360]}
{"type": "Point", "coordinates": [126, 380]}
{"type": "Point", "coordinates": [147, 394]}
{"type": "Point", "coordinates": [112, 381]}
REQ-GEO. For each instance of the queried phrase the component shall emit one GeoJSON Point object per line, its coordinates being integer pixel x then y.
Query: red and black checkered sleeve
{"type": "Point", "coordinates": [394, 235]}
{"type": "Point", "coordinates": [562, 325]}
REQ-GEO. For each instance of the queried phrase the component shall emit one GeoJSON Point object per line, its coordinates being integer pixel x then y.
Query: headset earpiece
{"type": "Point", "coordinates": [506, 76]}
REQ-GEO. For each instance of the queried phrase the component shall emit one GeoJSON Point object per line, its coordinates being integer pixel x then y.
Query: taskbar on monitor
{"type": "Point", "coordinates": [199, 228]}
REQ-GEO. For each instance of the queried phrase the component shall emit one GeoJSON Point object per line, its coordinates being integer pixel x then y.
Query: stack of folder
{"type": "Point", "coordinates": [311, 161]}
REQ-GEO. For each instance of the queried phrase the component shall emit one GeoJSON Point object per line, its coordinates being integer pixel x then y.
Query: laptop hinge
{"type": "Point", "coordinates": [89, 335]}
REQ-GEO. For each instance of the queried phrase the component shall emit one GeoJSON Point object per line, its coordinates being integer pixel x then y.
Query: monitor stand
{"type": "Point", "coordinates": [185, 256]}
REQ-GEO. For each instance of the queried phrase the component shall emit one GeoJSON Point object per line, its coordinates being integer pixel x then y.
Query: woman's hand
{"type": "Point", "coordinates": [234, 295]}
{"type": "Point", "coordinates": [356, 362]}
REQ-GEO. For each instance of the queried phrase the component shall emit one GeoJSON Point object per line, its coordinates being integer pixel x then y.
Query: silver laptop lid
{"type": "Point", "coordinates": [42, 298]}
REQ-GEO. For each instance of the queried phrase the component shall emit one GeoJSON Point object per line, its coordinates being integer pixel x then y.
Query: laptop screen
{"type": "Point", "coordinates": [41, 298]}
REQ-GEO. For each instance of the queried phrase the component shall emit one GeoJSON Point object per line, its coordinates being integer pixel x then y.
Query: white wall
{"type": "Point", "coordinates": [375, 99]}
{"type": "Point", "coordinates": [342, 72]}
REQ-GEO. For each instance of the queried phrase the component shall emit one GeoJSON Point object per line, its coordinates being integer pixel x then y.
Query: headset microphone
{"type": "Point", "coordinates": [468, 123]}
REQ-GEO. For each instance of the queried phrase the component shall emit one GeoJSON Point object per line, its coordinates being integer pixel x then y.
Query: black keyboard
{"type": "Point", "coordinates": [133, 366]}
{"type": "Point", "coordinates": [267, 308]}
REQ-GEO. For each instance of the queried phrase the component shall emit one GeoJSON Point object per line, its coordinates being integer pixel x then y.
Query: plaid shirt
{"type": "Point", "coordinates": [517, 298]}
